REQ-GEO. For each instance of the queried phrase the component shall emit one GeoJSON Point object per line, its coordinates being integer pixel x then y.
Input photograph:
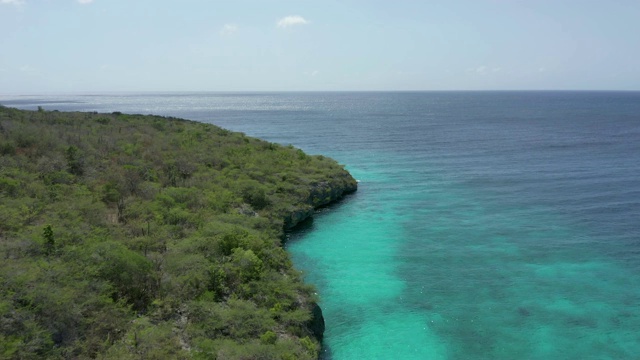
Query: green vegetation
{"type": "Point", "coordinates": [144, 237]}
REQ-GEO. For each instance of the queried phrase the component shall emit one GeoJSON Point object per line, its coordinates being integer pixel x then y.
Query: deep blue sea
{"type": "Point", "coordinates": [487, 225]}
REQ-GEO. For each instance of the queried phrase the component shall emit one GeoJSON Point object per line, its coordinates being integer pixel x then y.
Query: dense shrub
{"type": "Point", "coordinates": [129, 236]}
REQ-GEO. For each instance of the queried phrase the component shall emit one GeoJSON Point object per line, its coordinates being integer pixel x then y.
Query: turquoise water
{"type": "Point", "coordinates": [443, 272]}
{"type": "Point", "coordinates": [365, 298]}
{"type": "Point", "coordinates": [486, 225]}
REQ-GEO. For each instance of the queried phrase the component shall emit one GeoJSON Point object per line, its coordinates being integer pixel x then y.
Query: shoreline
{"type": "Point", "coordinates": [173, 223]}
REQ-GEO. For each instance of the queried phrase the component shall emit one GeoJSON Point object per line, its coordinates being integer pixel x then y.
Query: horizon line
{"type": "Point", "coordinates": [106, 92]}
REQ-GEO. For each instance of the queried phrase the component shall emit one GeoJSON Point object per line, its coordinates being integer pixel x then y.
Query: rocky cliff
{"type": "Point", "coordinates": [321, 194]}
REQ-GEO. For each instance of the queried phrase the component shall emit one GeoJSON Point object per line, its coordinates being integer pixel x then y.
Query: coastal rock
{"type": "Point", "coordinates": [316, 324]}
{"type": "Point", "coordinates": [324, 193]}
{"type": "Point", "coordinates": [321, 194]}
{"type": "Point", "coordinates": [297, 216]}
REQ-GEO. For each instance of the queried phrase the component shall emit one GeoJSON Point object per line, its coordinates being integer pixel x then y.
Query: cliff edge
{"type": "Point", "coordinates": [321, 194]}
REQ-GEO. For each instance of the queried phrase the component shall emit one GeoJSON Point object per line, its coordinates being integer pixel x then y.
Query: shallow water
{"type": "Point", "coordinates": [486, 226]}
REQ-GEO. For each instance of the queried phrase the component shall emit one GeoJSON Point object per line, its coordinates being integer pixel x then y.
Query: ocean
{"type": "Point", "coordinates": [487, 225]}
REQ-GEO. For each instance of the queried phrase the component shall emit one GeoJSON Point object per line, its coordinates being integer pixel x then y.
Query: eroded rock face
{"type": "Point", "coordinates": [321, 194]}
{"type": "Point", "coordinates": [324, 193]}
{"type": "Point", "coordinates": [316, 324]}
{"type": "Point", "coordinates": [297, 216]}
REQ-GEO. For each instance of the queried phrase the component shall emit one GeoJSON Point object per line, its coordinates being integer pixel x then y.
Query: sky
{"type": "Point", "coordinates": [80, 46]}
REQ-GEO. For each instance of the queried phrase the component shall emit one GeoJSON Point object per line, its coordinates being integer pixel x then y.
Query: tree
{"type": "Point", "coordinates": [49, 240]}
{"type": "Point", "coordinates": [75, 162]}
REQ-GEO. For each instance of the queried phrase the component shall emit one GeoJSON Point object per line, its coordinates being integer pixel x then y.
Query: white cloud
{"type": "Point", "coordinates": [291, 21]}
{"type": "Point", "coordinates": [85, 1]}
{"type": "Point", "coordinates": [12, 2]}
{"type": "Point", "coordinates": [228, 29]}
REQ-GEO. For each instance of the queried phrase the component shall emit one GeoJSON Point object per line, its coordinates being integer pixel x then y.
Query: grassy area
{"type": "Point", "coordinates": [131, 236]}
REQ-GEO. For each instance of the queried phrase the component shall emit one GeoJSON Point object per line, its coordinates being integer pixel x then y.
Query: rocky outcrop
{"type": "Point", "coordinates": [321, 194]}
{"type": "Point", "coordinates": [316, 324]}
{"type": "Point", "coordinates": [298, 215]}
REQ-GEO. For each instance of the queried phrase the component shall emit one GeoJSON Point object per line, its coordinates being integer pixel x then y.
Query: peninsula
{"type": "Point", "coordinates": [137, 236]}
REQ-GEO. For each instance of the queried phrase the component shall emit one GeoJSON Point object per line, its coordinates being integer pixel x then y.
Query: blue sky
{"type": "Point", "coordinates": [77, 46]}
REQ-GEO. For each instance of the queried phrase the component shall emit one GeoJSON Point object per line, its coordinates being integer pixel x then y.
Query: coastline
{"type": "Point", "coordinates": [174, 223]}
{"type": "Point", "coordinates": [322, 195]}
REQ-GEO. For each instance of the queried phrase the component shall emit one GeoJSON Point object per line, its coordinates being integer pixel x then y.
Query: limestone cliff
{"type": "Point", "coordinates": [321, 194]}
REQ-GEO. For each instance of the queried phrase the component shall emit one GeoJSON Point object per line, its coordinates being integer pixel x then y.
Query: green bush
{"type": "Point", "coordinates": [9, 186]}
{"type": "Point", "coordinates": [7, 148]}
{"type": "Point", "coordinates": [268, 338]}
{"type": "Point", "coordinates": [165, 239]}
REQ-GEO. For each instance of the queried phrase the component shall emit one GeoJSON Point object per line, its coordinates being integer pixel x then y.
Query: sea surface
{"type": "Point", "coordinates": [487, 225]}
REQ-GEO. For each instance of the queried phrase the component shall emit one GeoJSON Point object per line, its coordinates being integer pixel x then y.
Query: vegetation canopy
{"type": "Point", "coordinates": [130, 236]}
